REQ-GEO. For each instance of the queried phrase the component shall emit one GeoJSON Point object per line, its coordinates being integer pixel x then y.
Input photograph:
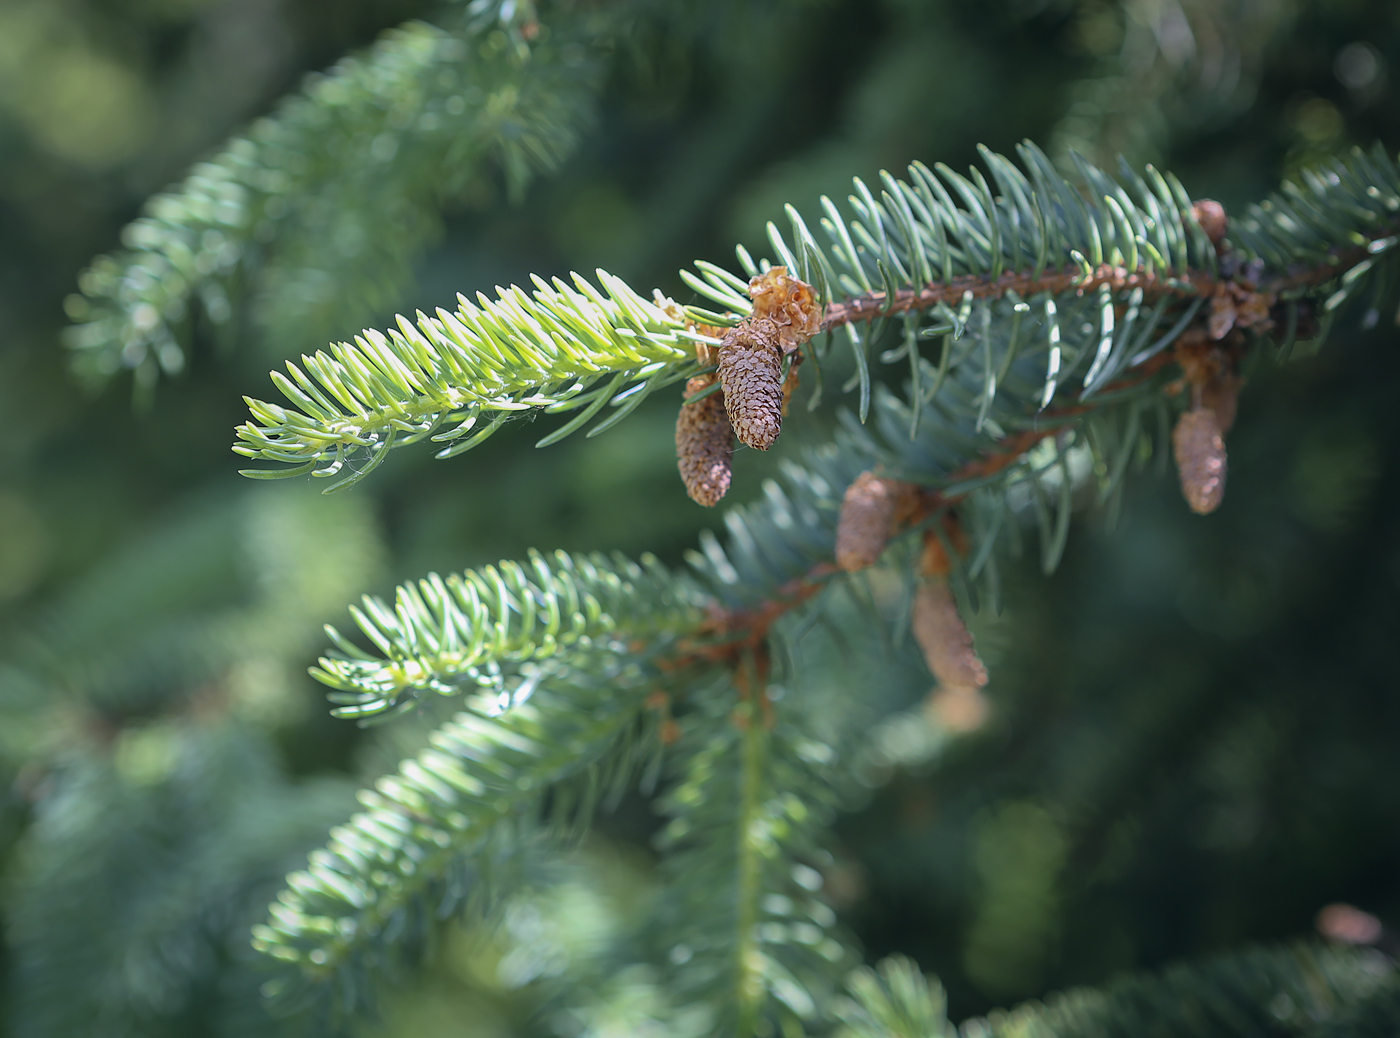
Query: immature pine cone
{"type": "Point", "coordinates": [1200, 459]}
{"type": "Point", "coordinates": [704, 443]}
{"type": "Point", "coordinates": [869, 511]}
{"type": "Point", "coordinates": [945, 639]}
{"type": "Point", "coordinates": [750, 369]}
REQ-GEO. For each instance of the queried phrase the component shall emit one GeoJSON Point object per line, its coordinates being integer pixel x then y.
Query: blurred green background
{"type": "Point", "coordinates": [1193, 738]}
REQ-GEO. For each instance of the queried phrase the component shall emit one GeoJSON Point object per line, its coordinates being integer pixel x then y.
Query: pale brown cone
{"type": "Point", "coordinates": [944, 638]}
{"type": "Point", "coordinates": [1200, 459]}
{"type": "Point", "coordinates": [869, 511]}
{"type": "Point", "coordinates": [750, 369]}
{"type": "Point", "coordinates": [704, 444]}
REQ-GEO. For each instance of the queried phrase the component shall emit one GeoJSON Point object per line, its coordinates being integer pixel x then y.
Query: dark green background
{"type": "Point", "coordinates": [1194, 738]}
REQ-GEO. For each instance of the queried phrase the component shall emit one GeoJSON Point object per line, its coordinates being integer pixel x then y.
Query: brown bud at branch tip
{"type": "Point", "coordinates": [704, 444]}
{"type": "Point", "coordinates": [1200, 459]}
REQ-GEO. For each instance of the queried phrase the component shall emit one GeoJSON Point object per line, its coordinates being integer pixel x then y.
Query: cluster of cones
{"type": "Point", "coordinates": [747, 398]}
{"type": "Point", "coordinates": [1209, 359]}
{"type": "Point", "coordinates": [873, 509]}
{"type": "Point", "coordinates": [751, 398]}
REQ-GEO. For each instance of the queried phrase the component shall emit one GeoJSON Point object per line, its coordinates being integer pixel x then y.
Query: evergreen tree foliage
{"type": "Point", "coordinates": [996, 353]}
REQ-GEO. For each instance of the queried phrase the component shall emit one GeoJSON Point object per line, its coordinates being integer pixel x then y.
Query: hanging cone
{"type": "Point", "coordinates": [944, 638]}
{"type": "Point", "coordinates": [1200, 459]}
{"type": "Point", "coordinates": [750, 369]}
{"type": "Point", "coordinates": [704, 444]}
{"type": "Point", "coordinates": [870, 510]}
{"type": "Point", "coordinates": [785, 315]}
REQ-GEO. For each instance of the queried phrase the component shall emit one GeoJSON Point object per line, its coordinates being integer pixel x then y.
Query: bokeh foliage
{"type": "Point", "coordinates": [1192, 739]}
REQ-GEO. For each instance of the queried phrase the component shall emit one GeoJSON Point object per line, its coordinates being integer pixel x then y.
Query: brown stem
{"type": "Point", "coordinates": [735, 631]}
{"type": "Point", "coordinates": [1154, 285]}
{"type": "Point", "coordinates": [728, 634]}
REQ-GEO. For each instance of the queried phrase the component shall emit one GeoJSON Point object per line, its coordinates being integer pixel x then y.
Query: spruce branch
{"type": "Point", "coordinates": [289, 214]}
{"type": "Point", "coordinates": [450, 828]}
{"type": "Point", "coordinates": [1021, 387]}
{"type": "Point", "coordinates": [471, 370]}
{"type": "Point", "coordinates": [893, 1000]}
{"type": "Point", "coordinates": [741, 919]}
{"type": "Point", "coordinates": [503, 629]}
{"type": "Point", "coordinates": [1300, 991]}
{"type": "Point", "coordinates": [1133, 247]}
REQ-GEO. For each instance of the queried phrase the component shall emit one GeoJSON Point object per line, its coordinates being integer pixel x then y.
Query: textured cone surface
{"type": "Point", "coordinates": [869, 512]}
{"type": "Point", "coordinates": [1200, 459]}
{"type": "Point", "coordinates": [945, 639]}
{"type": "Point", "coordinates": [704, 444]}
{"type": "Point", "coordinates": [750, 369]}
{"type": "Point", "coordinates": [788, 303]}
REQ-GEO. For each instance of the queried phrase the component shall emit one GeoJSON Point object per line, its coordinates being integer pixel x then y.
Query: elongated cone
{"type": "Point", "coordinates": [869, 512]}
{"type": "Point", "coordinates": [944, 638]}
{"type": "Point", "coordinates": [750, 369]}
{"type": "Point", "coordinates": [704, 444]}
{"type": "Point", "coordinates": [1200, 459]}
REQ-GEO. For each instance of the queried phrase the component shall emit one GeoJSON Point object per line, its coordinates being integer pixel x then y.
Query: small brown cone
{"type": "Point", "coordinates": [944, 638]}
{"type": "Point", "coordinates": [1200, 459]}
{"type": "Point", "coordinates": [750, 369]}
{"type": "Point", "coordinates": [869, 511]}
{"type": "Point", "coordinates": [1210, 214]}
{"type": "Point", "coordinates": [704, 444]}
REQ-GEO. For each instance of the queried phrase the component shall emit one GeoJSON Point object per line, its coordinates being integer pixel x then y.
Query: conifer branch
{"type": "Point", "coordinates": [746, 932]}
{"type": "Point", "coordinates": [471, 370]}
{"type": "Point", "coordinates": [448, 830]}
{"type": "Point", "coordinates": [293, 207]}
{"type": "Point", "coordinates": [1134, 246]}
{"type": "Point", "coordinates": [1302, 990]}
{"type": "Point", "coordinates": [1018, 385]}
{"type": "Point", "coordinates": [1326, 991]}
{"type": "Point", "coordinates": [497, 629]}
